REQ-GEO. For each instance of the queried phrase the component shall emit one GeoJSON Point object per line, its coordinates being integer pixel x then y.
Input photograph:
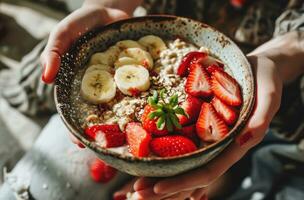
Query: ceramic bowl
{"type": "Point", "coordinates": [165, 27]}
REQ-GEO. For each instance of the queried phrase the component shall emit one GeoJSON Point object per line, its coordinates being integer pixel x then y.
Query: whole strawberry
{"type": "Point", "coordinates": [101, 172]}
{"type": "Point", "coordinates": [172, 145]}
{"type": "Point", "coordinates": [160, 116]}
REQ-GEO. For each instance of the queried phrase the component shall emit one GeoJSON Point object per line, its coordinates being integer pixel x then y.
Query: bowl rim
{"type": "Point", "coordinates": [100, 150]}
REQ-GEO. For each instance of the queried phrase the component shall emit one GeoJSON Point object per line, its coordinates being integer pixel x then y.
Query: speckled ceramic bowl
{"type": "Point", "coordinates": [165, 27]}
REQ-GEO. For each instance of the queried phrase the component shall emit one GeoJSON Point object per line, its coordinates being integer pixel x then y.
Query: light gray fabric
{"type": "Point", "coordinates": [56, 169]}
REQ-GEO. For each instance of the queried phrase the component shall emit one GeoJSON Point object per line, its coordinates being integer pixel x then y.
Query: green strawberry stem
{"type": "Point", "coordinates": [165, 111]}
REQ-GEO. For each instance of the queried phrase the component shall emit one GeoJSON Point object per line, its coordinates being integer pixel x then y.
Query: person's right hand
{"type": "Point", "coordinates": [69, 30]}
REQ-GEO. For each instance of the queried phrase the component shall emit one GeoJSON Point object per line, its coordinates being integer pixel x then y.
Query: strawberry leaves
{"type": "Point", "coordinates": [165, 111]}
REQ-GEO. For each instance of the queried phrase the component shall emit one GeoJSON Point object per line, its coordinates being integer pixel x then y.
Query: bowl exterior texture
{"type": "Point", "coordinates": [166, 27]}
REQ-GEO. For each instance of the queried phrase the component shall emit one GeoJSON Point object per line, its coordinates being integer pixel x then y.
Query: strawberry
{"type": "Point", "coordinates": [198, 82]}
{"type": "Point", "coordinates": [150, 124]}
{"type": "Point", "coordinates": [209, 126]}
{"type": "Point", "coordinates": [172, 145]}
{"type": "Point", "coordinates": [213, 68]}
{"type": "Point", "coordinates": [101, 172]}
{"type": "Point", "coordinates": [138, 139]}
{"type": "Point", "coordinates": [226, 88]}
{"type": "Point", "coordinates": [161, 116]}
{"type": "Point", "coordinates": [227, 113]}
{"type": "Point", "coordinates": [183, 68]}
{"type": "Point", "coordinates": [188, 132]}
{"type": "Point", "coordinates": [106, 135]}
{"type": "Point", "coordinates": [209, 60]}
{"type": "Point", "coordinates": [192, 107]}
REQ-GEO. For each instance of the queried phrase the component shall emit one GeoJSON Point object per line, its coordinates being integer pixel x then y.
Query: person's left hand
{"type": "Point", "coordinates": [268, 96]}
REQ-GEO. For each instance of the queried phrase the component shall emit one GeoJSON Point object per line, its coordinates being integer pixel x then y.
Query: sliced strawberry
{"type": "Point", "coordinates": [209, 126]}
{"type": "Point", "coordinates": [198, 82]}
{"type": "Point", "coordinates": [192, 107]}
{"type": "Point", "coordinates": [101, 172]}
{"type": "Point", "coordinates": [106, 135]}
{"type": "Point", "coordinates": [228, 114]}
{"type": "Point", "coordinates": [134, 92]}
{"type": "Point", "coordinates": [183, 68]}
{"type": "Point", "coordinates": [209, 60]}
{"type": "Point", "coordinates": [226, 88]}
{"type": "Point", "coordinates": [212, 68]}
{"type": "Point", "coordinates": [150, 124]}
{"type": "Point", "coordinates": [188, 132]}
{"type": "Point", "coordinates": [172, 145]}
{"type": "Point", "coordinates": [138, 139]}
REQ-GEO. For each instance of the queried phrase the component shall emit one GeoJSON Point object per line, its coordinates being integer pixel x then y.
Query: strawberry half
{"type": "Point", "coordinates": [172, 145]}
{"type": "Point", "coordinates": [228, 114]}
{"type": "Point", "coordinates": [188, 132]}
{"type": "Point", "coordinates": [101, 172]}
{"type": "Point", "coordinates": [192, 107]}
{"type": "Point", "coordinates": [209, 126]}
{"type": "Point", "coordinates": [213, 68]}
{"type": "Point", "coordinates": [150, 124]}
{"type": "Point", "coordinates": [198, 82]}
{"type": "Point", "coordinates": [193, 56]}
{"type": "Point", "coordinates": [138, 139]}
{"type": "Point", "coordinates": [106, 135]}
{"type": "Point", "coordinates": [226, 88]}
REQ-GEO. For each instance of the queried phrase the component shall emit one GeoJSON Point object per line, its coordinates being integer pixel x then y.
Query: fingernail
{"type": "Point", "coordinates": [120, 197]}
{"type": "Point", "coordinates": [136, 195]}
{"type": "Point", "coordinates": [245, 138]}
{"type": "Point", "coordinates": [80, 145]}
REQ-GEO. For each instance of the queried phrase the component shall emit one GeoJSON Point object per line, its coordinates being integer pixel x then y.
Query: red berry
{"type": "Point", "coordinates": [188, 132]}
{"type": "Point", "coordinates": [172, 145]}
{"type": "Point", "coordinates": [183, 68]}
{"type": "Point", "coordinates": [106, 135]}
{"type": "Point", "coordinates": [192, 107]}
{"type": "Point", "coordinates": [138, 139]}
{"type": "Point", "coordinates": [134, 92]}
{"type": "Point", "coordinates": [227, 113]}
{"type": "Point", "coordinates": [198, 82]}
{"type": "Point", "coordinates": [209, 126]}
{"type": "Point", "coordinates": [101, 172]}
{"type": "Point", "coordinates": [150, 124]}
{"type": "Point", "coordinates": [226, 88]}
{"type": "Point", "coordinates": [213, 68]}
{"type": "Point", "coordinates": [209, 60]}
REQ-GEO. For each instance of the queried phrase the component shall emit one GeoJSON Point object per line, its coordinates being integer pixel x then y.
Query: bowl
{"type": "Point", "coordinates": [166, 27]}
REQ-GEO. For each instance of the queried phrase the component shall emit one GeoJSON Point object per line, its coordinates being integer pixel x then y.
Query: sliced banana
{"type": "Point", "coordinates": [99, 67]}
{"type": "Point", "coordinates": [130, 78]}
{"type": "Point", "coordinates": [125, 61]}
{"type": "Point", "coordinates": [124, 44]}
{"type": "Point", "coordinates": [141, 56]}
{"type": "Point", "coordinates": [154, 44]}
{"type": "Point", "coordinates": [107, 57]}
{"type": "Point", "coordinates": [98, 86]}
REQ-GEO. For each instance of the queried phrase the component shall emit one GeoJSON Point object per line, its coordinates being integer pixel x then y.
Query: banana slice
{"type": "Point", "coordinates": [99, 67]}
{"type": "Point", "coordinates": [107, 57]}
{"type": "Point", "coordinates": [98, 86]}
{"type": "Point", "coordinates": [125, 61]}
{"type": "Point", "coordinates": [141, 56]}
{"type": "Point", "coordinates": [154, 44]}
{"type": "Point", "coordinates": [132, 78]}
{"type": "Point", "coordinates": [124, 44]}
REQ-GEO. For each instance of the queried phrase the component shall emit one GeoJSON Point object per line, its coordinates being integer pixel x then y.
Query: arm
{"type": "Point", "coordinates": [93, 13]}
{"type": "Point", "coordinates": [274, 63]}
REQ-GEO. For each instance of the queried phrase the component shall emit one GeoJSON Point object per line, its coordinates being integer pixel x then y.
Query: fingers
{"type": "Point", "coordinates": [180, 196]}
{"type": "Point", "coordinates": [121, 193]}
{"type": "Point", "coordinates": [199, 194]}
{"type": "Point", "coordinates": [148, 194]}
{"type": "Point", "coordinates": [70, 29]}
{"type": "Point", "coordinates": [143, 183]}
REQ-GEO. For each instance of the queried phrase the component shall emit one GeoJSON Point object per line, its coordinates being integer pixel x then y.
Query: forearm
{"type": "Point", "coordinates": [287, 52]}
{"type": "Point", "coordinates": [127, 6]}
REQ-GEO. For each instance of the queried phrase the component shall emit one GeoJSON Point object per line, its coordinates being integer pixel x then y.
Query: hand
{"type": "Point", "coordinates": [268, 97]}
